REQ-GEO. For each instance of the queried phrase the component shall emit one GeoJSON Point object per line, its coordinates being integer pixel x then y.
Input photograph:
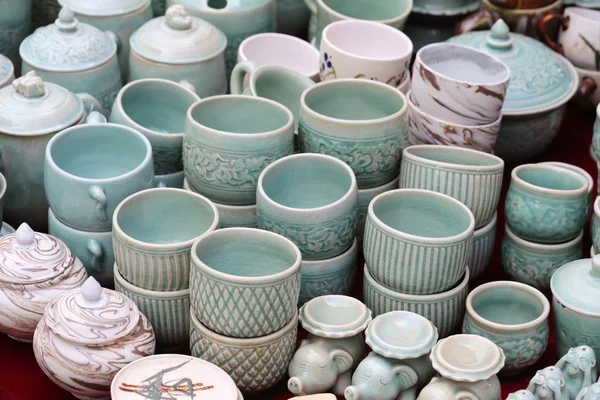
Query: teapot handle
{"type": "Point", "coordinates": [97, 193]}
{"type": "Point", "coordinates": [115, 38]}
{"type": "Point", "coordinates": [542, 28]}
{"type": "Point", "coordinates": [482, 19]}
{"type": "Point", "coordinates": [90, 103]}
{"type": "Point", "coordinates": [188, 85]}
{"type": "Point", "coordinates": [95, 248]}
{"type": "Point", "coordinates": [239, 73]}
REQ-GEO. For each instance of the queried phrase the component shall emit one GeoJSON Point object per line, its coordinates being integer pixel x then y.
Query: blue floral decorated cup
{"type": "Point", "coordinates": [418, 241]}
{"type": "Point", "coordinates": [312, 200]}
{"type": "Point", "coordinates": [361, 122]}
{"type": "Point", "coordinates": [512, 315]}
{"type": "Point", "coordinates": [228, 142]}
{"type": "Point", "coordinates": [546, 204]}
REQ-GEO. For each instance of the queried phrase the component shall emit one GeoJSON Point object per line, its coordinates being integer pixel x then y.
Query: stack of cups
{"type": "Point", "coordinates": [153, 233]}
{"type": "Point", "coordinates": [546, 209]}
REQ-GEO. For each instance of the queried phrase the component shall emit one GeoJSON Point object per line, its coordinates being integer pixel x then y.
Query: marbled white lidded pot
{"type": "Point", "coordinates": [541, 84]}
{"type": "Point", "coordinates": [75, 55]}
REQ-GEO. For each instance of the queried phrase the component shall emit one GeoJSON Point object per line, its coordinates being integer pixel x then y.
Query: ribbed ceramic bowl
{"type": "Point", "coordinates": [365, 196]}
{"type": "Point", "coordinates": [254, 364]}
{"type": "Point", "coordinates": [484, 239]}
{"type": "Point", "coordinates": [445, 310]}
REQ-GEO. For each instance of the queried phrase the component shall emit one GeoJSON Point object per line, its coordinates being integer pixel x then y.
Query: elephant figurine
{"type": "Point", "coordinates": [441, 388]}
{"type": "Point", "coordinates": [325, 364]}
{"type": "Point", "coordinates": [381, 378]}
{"type": "Point", "coordinates": [590, 392]}
{"type": "Point", "coordinates": [521, 395]}
{"type": "Point", "coordinates": [548, 384]}
{"type": "Point", "coordinates": [578, 367]}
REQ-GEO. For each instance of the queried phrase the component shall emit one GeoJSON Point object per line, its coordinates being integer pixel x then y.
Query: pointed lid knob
{"type": "Point", "coordinates": [576, 285]}
{"type": "Point", "coordinates": [500, 35]}
{"type": "Point", "coordinates": [66, 20]}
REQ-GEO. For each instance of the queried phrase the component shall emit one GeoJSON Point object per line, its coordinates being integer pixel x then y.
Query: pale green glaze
{"type": "Point", "coordinates": [579, 369]}
{"type": "Point", "coordinates": [7, 71]}
{"type": "Point", "coordinates": [174, 180]}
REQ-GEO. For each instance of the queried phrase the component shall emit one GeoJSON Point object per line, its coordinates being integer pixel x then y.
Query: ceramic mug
{"type": "Point", "coordinates": [89, 169]}
{"type": "Point", "coordinates": [365, 49]}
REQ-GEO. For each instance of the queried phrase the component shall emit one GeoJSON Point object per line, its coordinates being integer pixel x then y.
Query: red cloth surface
{"type": "Point", "coordinates": [21, 378]}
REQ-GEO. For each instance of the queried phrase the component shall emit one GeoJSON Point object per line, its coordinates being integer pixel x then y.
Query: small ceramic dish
{"type": "Point", "coordinates": [365, 196]}
{"type": "Point", "coordinates": [444, 310]}
{"type": "Point", "coordinates": [484, 239]}
{"type": "Point", "coordinates": [335, 316]}
{"type": "Point", "coordinates": [265, 359]}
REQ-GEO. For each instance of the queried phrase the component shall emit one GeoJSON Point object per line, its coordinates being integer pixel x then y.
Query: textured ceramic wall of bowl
{"type": "Point", "coordinates": [484, 239]}
{"type": "Point", "coordinates": [364, 199]}
{"type": "Point", "coordinates": [596, 225]}
{"type": "Point", "coordinates": [444, 310]}
{"type": "Point", "coordinates": [254, 364]}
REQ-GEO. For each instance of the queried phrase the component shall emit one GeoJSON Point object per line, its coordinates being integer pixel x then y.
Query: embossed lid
{"type": "Point", "coordinates": [335, 316]}
{"type": "Point", "coordinates": [104, 8]}
{"type": "Point", "coordinates": [67, 45]}
{"type": "Point", "coordinates": [540, 79]}
{"type": "Point", "coordinates": [577, 285]}
{"type": "Point", "coordinates": [178, 38]}
{"type": "Point", "coordinates": [6, 68]}
{"type": "Point", "coordinates": [28, 257]}
{"type": "Point", "coordinates": [32, 107]}
{"type": "Point", "coordinates": [92, 315]}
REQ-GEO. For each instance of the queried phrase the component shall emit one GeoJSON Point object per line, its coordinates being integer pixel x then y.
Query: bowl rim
{"type": "Point", "coordinates": [388, 21]}
{"type": "Point", "coordinates": [154, 294]}
{"type": "Point", "coordinates": [542, 247]}
{"type": "Point", "coordinates": [570, 193]}
{"type": "Point", "coordinates": [573, 168]}
{"type": "Point", "coordinates": [407, 154]}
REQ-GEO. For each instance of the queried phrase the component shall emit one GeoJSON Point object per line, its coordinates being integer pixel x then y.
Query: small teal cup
{"type": "Point", "coordinates": [312, 200]}
{"type": "Point", "coordinates": [228, 142]}
{"type": "Point", "coordinates": [512, 315]}
{"type": "Point", "coordinates": [546, 204]}
{"type": "Point", "coordinates": [89, 169]}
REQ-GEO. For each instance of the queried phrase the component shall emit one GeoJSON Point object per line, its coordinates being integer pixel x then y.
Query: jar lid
{"type": "Point", "coordinates": [67, 45]}
{"type": "Point", "coordinates": [104, 8]}
{"type": "Point", "coordinates": [540, 79]}
{"type": "Point", "coordinates": [334, 316]}
{"type": "Point", "coordinates": [178, 38]}
{"type": "Point", "coordinates": [92, 315]}
{"type": "Point", "coordinates": [6, 68]}
{"type": "Point", "coordinates": [32, 106]}
{"type": "Point", "coordinates": [577, 285]}
{"type": "Point", "coordinates": [28, 257]}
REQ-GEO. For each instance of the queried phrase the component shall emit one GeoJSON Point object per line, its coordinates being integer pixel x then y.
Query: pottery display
{"type": "Point", "coordinates": [181, 48]}
{"type": "Point", "coordinates": [15, 25]}
{"type": "Point", "coordinates": [548, 383]}
{"type": "Point", "coordinates": [7, 72]}
{"type": "Point", "coordinates": [579, 369]}
{"type": "Point", "coordinates": [365, 196]}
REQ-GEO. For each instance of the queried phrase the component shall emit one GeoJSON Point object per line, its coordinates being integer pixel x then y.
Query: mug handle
{"type": "Point", "coordinates": [115, 38]}
{"type": "Point", "coordinates": [542, 28]}
{"type": "Point", "coordinates": [238, 74]}
{"type": "Point", "coordinates": [482, 19]}
{"type": "Point", "coordinates": [95, 249]}
{"type": "Point", "coordinates": [97, 193]}
{"type": "Point", "coordinates": [188, 85]}
{"type": "Point", "coordinates": [587, 86]}
{"type": "Point", "coordinates": [312, 5]}
{"type": "Point", "coordinates": [90, 103]}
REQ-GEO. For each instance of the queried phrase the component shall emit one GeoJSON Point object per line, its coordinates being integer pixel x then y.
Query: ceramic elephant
{"type": "Point", "coordinates": [381, 378]}
{"type": "Point", "coordinates": [324, 364]}
{"type": "Point", "coordinates": [445, 389]}
{"type": "Point", "coordinates": [589, 393]}
{"type": "Point", "coordinates": [578, 367]}
{"type": "Point", "coordinates": [548, 384]}
{"type": "Point", "coordinates": [521, 395]}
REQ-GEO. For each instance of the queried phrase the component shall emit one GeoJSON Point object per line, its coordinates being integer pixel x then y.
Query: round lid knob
{"type": "Point", "coordinates": [91, 295]}
{"type": "Point", "coordinates": [24, 237]}
{"type": "Point", "coordinates": [500, 35]}
{"type": "Point", "coordinates": [178, 18]}
{"type": "Point", "coordinates": [66, 20]}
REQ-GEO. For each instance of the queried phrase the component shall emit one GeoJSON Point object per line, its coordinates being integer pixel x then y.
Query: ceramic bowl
{"type": "Point", "coordinates": [445, 310]}
{"type": "Point", "coordinates": [546, 204]}
{"type": "Point", "coordinates": [581, 172]}
{"type": "Point", "coordinates": [417, 241]}
{"type": "Point", "coordinates": [365, 196]}
{"type": "Point", "coordinates": [331, 276]}
{"type": "Point", "coordinates": [335, 317]}
{"type": "Point", "coordinates": [425, 128]}
{"type": "Point", "coordinates": [535, 263]}
{"type": "Point", "coordinates": [153, 233]}
{"type": "Point", "coordinates": [312, 200]}
{"type": "Point", "coordinates": [514, 316]}
{"type": "Point", "coordinates": [168, 312]}
{"type": "Point", "coordinates": [245, 282]}
{"type": "Point", "coordinates": [484, 239]}
{"type": "Point", "coordinates": [233, 216]}
{"type": "Point", "coordinates": [174, 180]}
{"type": "Point", "coordinates": [254, 364]}
{"type": "Point", "coordinates": [472, 177]}
{"type": "Point", "coordinates": [595, 226]}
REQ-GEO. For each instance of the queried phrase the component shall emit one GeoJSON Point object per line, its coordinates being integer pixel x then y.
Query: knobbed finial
{"type": "Point", "coordinates": [66, 20]}
{"type": "Point", "coordinates": [24, 237]}
{"type": "Point", "coordinates": [92, 295]}
{"type": "Point", "coordinates": [178, 18]}
{"type": "Point", "coordinates": [29, 85]}
{"type": "Point", "coordinates": [500, 35]}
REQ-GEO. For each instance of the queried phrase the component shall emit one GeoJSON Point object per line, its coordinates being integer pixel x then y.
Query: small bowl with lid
{"type": "Point", "coordinates": [87, 335]}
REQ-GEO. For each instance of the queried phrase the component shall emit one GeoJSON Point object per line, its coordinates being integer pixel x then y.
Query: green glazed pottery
{"type": "Point", "coordinates": [417, 241]}
{"type": "Point", "coordinates": [15, 25]}
{"type": "Point", "coordinates": [546, 204]}
{"type": "Point", "coordinates": [361, 122]}
{"type": "Point", "coordinates": [7, 72]}
{"type": "Point", "coordinates": [172, 180]}
{"type": "Point", "coordinates": [581, 172]}
{"type": "Point", "coordinates": [445, 7]}
{"type": "Point", "coordinates": [579, 370]}
{"type": "Point", "coordinates": [153, 233]}
{"type": "Point", "coordinates": [244, 282]}
{"type": "Point", "coordinates": [445, 310]}
{"type": "Point", "coordinates": [229, 140]}
{"type": "Point", "coordinates": [6, 229]}
{"type": "Point", "coordinates": [535, 263]}
{"type": "Point", "coordinates": [484, 239]}
{"type": "Point", "coordinates": [548, 382]}
{"type": "Point", "coordinates": [269, 355]}
{"type": "Point", "coordinates": [312, 200]}
{"type": "Point", "coordinates": [364, 199]}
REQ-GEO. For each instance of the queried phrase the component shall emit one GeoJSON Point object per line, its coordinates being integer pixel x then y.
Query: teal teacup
{"type": "Point", "coordinates": [359, 121]}
{"type": "Point", "coordinates": [228, 142]}
{"type": "Point", "coordinates": [89, 169]}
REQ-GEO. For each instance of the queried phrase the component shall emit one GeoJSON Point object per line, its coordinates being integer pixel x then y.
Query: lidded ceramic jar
{"type": "Point", "coordinates": [35, 268]}
{"type": "Point", "coordinates": [7, 71]}
{"type": "Point", "coordinates": [75, 55]}
{"type": "Point", "coordinates": [180, 48]}
{"type": "Point", "coordinates": [87, 335]}
{"type": "Point", "coordinates": [541, 83]}
{"type": "Point", "coordinates": [575, 292]}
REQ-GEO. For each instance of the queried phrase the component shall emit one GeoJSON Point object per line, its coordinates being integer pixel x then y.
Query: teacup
{"type": "Point", "coordinates": [153, 232]}
{"type": "Point", "coordinates": [578, 40]}
{"type": "Point", "coordinates": [512, 315]}
{"type": "Point", "coordinates": [228, 142]}
{"type": "Point", "coordinates": [417, 241]}
{"type": "Point", "coordinates": [281, 50]}
{"type": "Point", "coordinates": [312, 199]}
{"type": "Point", "coordinates": [347, 51]}
{"type": "Point", "coordinates": [358, 121]}
{"type": "Point", "coordinates": [546, 204]}
{"type": "Point", "coordinates": [459, 84]}
{"type": "Point", "coordinates": [89, 169]}
{"type": "Point", "coordinates": [157, 108]}
{"type": "Point", "coordinates": [245, 282]}
{"type": "Point", "coordinates": [581, 172]}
